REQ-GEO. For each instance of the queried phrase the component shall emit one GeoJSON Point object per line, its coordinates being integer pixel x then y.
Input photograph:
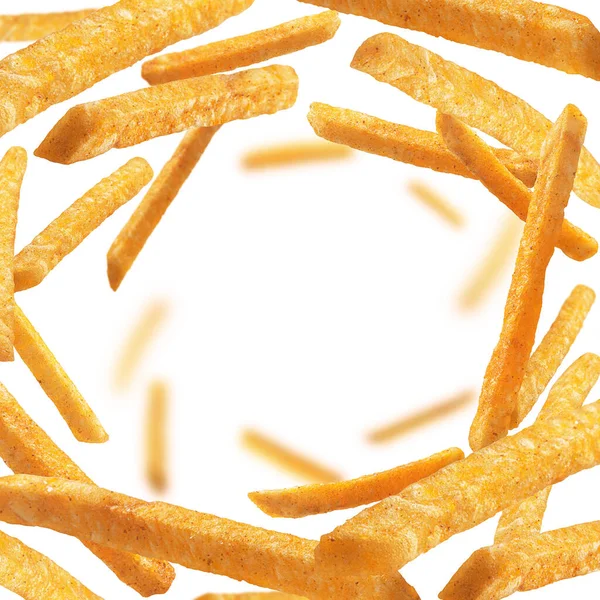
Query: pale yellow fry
{"type": "Point", "coordinates": [33, 26]}
{"type": "Point", "coordinates": [156, 436]}
{"type": "Point", "coordinates": [322, 498]}
{"type": "Point", "coordinates": [249, 596]}
{"type": "Point", "coordinates": [69, 61]}
{"type": "Point", "coordinates": [294, 153]}
{"type": "Point", "coordinates": [243, 51]}
{"type": "Point", "coordinates": [144, 220]}
{"type": "Point", "coordinates": [204, 542]}
{"type": "Point", "coordinates": [88, 130]}
{"type": "Point", "coordinates": [287, 459]}
{"type": "Point", "coordinates": [12, 171]}
{"type": "Point", "coordinates": [434, 200]}
{"type": "Point", "coordinates": [67, 231]}
{"type": "Point", "coordinates": [478, 102]}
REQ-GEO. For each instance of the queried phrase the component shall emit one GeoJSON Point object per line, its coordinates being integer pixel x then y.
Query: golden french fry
{"type": "Point", "coordinates": [507, 367]}
{"type": "Point", "coordinates": [26, 448]}
{"type": "Point", "coordinates": [293, 153]}
{"type": "Point", "coordinates": [322, 498]}
{"type": "Point", "coordinates": [243, 51]}
{"type": "Point", "coordinates": [33, 26]}
{"type": "Point", "coordinates": [67, 231]}
{"type": "Point", "coordinates": [88, 130]}
{"type": "Point", "coordinates": [478, 102]}
{"type": "Point", "coordinates": [156, 436]}
{"type": "Point", "coordinates": [413, 146]}
{"type": "Point", "coordinates": [132, 238]}
{"type": "Point", "coordinates": [249, 596]}
{"type": "Point", "coordinates": [436, 202]}
{"type": "Point", "coordinates": [480, 159]}
{"type": "Point", "coordinates": [69, 61]}
{"type": "Point", "coordinates": [12, 171]}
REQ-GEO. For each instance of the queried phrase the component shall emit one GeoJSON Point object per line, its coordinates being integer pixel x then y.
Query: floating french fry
{"type": "Point", "coordinates": [249, 596]}
{"type": "Point", "coordinates": [33, 26]}
{"type": "Point", "coordinates": [478, 102]}
{"type": "Point", "coordinates": [88, 130]}
{"type": "Point", "coordinates": [242, 51]}
{"type": "Point", "coordinates": [294, 153]}
{"type": "Point", "coordinates": [436, 202]}
{"type": "Point", "coordinates": [156, 436]}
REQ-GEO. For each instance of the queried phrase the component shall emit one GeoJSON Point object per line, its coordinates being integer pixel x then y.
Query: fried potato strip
{"type": "Point", "coordinates": [33, 26]}
{"type": "Point", "coordinates": [294, 153]}
{"type": "Point", "coordinates": [249, 596]}
{"type": "Point", "coordinates": [156, 436]}
{"type": "Point", "coordinates": [436, 202]}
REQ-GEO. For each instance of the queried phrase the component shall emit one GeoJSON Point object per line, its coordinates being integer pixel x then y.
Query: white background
{"type": "Point", "coordinates": [313, 303]}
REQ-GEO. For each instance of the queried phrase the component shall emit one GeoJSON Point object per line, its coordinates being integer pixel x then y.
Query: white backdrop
{"type": "Point", "coordinates": [313, 303]}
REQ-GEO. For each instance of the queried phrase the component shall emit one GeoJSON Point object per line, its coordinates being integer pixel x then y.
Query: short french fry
{"type": "Point", "coordinates": [322, 498]}
{"type": "Point", "coordinates": [478, 102]}
{"type": "Point", "coordinates": [12, 171]}
{"type": "Point", "coordinates": [480, 159]}
{"type": "Point", "coordinates": [242, 51]}
{"type": "Point", "coordinates": [294, 153]}
{"type": "Point", "coordinates": [404, 144]}
{"type": "Point", "coordinates": [507, 367]}
{"type": "Point", "coordinates": [88, 130]}
{"type": "Point", "coordinates": [249, 596]}
{"type": "Point", "coordinates": [434, 200]}
{"type": "Point", "coordinates": [156, 436]}
{"type": "Point", "coordinates": [67, 231]}
{"type": "Point", "coordinates": [26, 448]}
{"type": "Point", "coordinates": [33, 26]}
{"type": "Point", "coordinates": [69, 61]}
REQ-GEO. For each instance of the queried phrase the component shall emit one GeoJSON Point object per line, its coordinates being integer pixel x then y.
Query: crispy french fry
{"type": "Point", "coordinates": [71, 60]}
{"type": "Point", "coordinates": [404, 144]}
{"type": "Point", "coordinates": [507, 367]}
{"type": "Point", "coordinates": [436, 202]}
{"type": "Point", "coordinates": [12, 171]}
{"type": "Point", "coordinates": [242, 51]}
{"type": "Point", "coordinates": [67, 231]}
{"type": "Point", "coordinates": [33, 26]}
{"type": "Point", "coordinates": [204, 542]}
{"type": "Point", "coordinates": [249, 596]}
{"type": "Point", "coordinates": [293, 153]}
{"type": "Point", "coordinates": [322, 498]}
{"type": "Point", "coordinates": [480, 159]}
{"type": "Point", "coordinates": [478, 102]}
{"type": "Point", "coordinates": [156, 436]}
{"type": "Point", "coordinates": [26, 448]}
{"type": "Point", "coordinates": [88, 130]}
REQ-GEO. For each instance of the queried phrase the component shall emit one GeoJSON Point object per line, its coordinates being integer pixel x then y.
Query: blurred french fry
{"type": "Point", "coordinates": [294, 153]}
{"type": "Point", "coordinates": [435, 201]}
{"type": "Point", "coordinates": [88, 130]}
{"type": "Point", "coordinates": [33, 26]}
{"type": "Point", "coordinates": [156, 436]}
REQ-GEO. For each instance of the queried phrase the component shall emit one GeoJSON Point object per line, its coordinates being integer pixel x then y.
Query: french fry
{"type": "Point", "coordinates": [480, 103]}
{"type": "Point", "coordinates": [404, 144]}
{"type": "Point", "coordinates": [26, 448]}
{"type": "Point", "coordinates": [294, 153]}
{"type": "Point", "coordinates": [249, 596]}
{"type": "Point", "coordinates": [88, 130]}
{"type": "Point", "coordinates": [67, 231]}
{"type": "Point", "coordinates": [156, 436]}
{"type": "Point", "coordinates": [436, 202]}
{"type": "Point", "coordinates": [507, 367]}
{"type": "Point", "coordinates": [12, 171]}
{"type": "Point", "coordinates": [33, 26]}
{"type": "Point", "coordinates": [108, 40]}
{"type": "Point", "coordinates": [480, 159]}
{"type": "Point", "coordinates": [242, 51]}
{"type": "Point", "coordinates": [322, 498]}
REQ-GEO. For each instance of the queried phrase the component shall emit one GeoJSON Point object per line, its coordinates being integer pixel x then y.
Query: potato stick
{"type": "Point", "coordinates": [30, 27]}
{"type": "Point", "coordinates": [243, 51]}
{"type": "Point", "coordinates": [478, 102]}
{"type": "Point", "coordinates": [249, 596]}
{"type": "Point", "coordinates": [386, 536]}
{"type": "Point", "coordinates": [67, 231]}
{"type": "Point", "coordinates": [293, 153]}
{"type": "Point", "coordinates": [286, 459]}
{"type": "Point", "coordinates": [404, 144]}
{"type": "Point", "coordinates": [322, 498]}
{"type": "Point", "coordinates": [69, 61]}
{"type": "Point", "coordinates": [199, 541]}
{"type": "Point", "coordinates": [88, 130]}
{"type": "Point", "coordinates": [480, 159]}
{"type": "Point", "coordinates": [554, 347]}
{"type": "Point", "coordinates": [12, 171]}
{"type": "Point", "coordinates": [507, 367]}
{"type": "Point", "coordinates": [435, 201]}
{"type": "Point", "coordinates": [26, 448]}
{"type": "Point", "coordinates": [156, 436]}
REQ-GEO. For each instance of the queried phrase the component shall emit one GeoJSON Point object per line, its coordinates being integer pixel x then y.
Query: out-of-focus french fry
{"type": "Point", "coordinates": [243, 51]}
{"type": "Point", "coordinates": [480, 159]}
{"type": "Point", "coordinates": [33, 26]}
{"type": "Point", "coordinates": [88, 130]}
{"type": "Point", "coordinates": [404, 144]}
{"type": "Point", "coordinates": [507, 367]}
{"type": "Point", "coordinates": [478, 102]}
{"type": "Point", "coordinates": [250, 596]}
{"type": "Point", "coordinates": [162, 192]}
{"type": "Point", "coordinates": [67, 231]}
{"type": "Point", "coordinates": [156, 436]}
{"type": "Point", "coordinates": [204, 542]}
{"type": "Point", "coordinates": [69, 61]}
{"type": "Point", "coordinates": [293, 153]}
{"type": "Point", "coordinates": [26, 448]}
{"type": "Point", "coordinates": [322, 498]}
{"type": "Point", "coordinates": [12, 171]}
{"type": "Point", "coordinates": [436, 202]}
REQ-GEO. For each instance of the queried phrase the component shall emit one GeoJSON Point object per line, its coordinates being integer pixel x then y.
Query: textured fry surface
{"type": "Point", "coordinates": [156, 436]}
{"type": "Point", "coordinates": [88, 130]}
{"type": "Point", "coordinates": [436, 202]}
{"type": "Point", "coordinates": [293, 153]}
{"type": "Point", "coordinates": [33, 26]}
{"type": "Point", "coordinates": [249, 596]}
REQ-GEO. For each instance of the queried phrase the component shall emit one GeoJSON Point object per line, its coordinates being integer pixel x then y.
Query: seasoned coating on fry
{"type": "Point", "coordinates": [156, 436]}
{"type": "Point", "coordinates": [33, 26]}
{"type": "Point", "coordinates": [294, 153]}
{"type": "Point", "coordinates": [438, 203]}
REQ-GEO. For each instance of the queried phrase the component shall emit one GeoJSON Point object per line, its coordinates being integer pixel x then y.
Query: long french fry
{"type": "Point", "coordinates": [33, 26]}
{"type": "Point", "coordinates": [67, 231]}
{"type": "Point", "coordinates": [88, 130]}
{"type": "Point", "coordinates": [322, 498]}
{"type": "Point", "coordinates": [249, 596]}
{"type": "Point", "coordinates": [436, 202]}
{"type": "Point", "coordinates": [478, 102]}
{"type": "Point", "coordinates": [242, 51]}
{"type": "Point", "coordinates": [71, 60]}
{"type": "Point", "coordinates": [507, 366]}
{"type": "Point", "coordinates": [12, 171]}
{"type": "Point", "coordinates": [26, 448]}
{"type": "Point", "coordinates": [156, 436]}
{"type": "Point", "coordinates": [294, 153]}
